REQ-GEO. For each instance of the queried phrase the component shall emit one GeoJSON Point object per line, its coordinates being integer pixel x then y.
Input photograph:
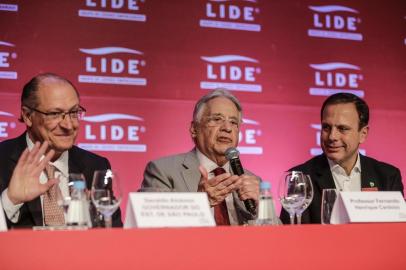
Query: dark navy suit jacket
{"type": "Point", "coordinates": [80, 161]}
{"type": "Point", "coordinates": [383, 176]}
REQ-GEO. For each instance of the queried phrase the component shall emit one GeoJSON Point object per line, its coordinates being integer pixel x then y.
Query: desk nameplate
{"type": "Point", "coordinates": [168, 209]}
{"type": "Point", "coordinates": [356, 207]}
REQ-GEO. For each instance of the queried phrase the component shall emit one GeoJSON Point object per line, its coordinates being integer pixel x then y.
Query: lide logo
{"type": "Point", "coordinates": [335, 22]}
{"type": "Point", "coordinates": [231, 15]}
{"type": "Point", "coordinates": [113, 65]}
{"type": "Point", "coordinates": [8, 7]}
{"type": "Point", "coordinates": [7, 57]}
{"type": "Point", "coordinates": [233, 72]}
{"type": "Point", "coordinates": [334, 77]}
{"type": "Point", "coordinates": [113, 132]}
{"type": "Point", "coordinates": [315, 151]}
{"type": "Point", "coordinates": [247, 142]}
{"type": "Point", "coordinates": [6, 125]}
{"type": "Point", "coordinates": [122, 10]}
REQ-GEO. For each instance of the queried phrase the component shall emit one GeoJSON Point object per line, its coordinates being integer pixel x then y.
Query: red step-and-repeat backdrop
{"type": "Point", "coordinates": [140, 65]}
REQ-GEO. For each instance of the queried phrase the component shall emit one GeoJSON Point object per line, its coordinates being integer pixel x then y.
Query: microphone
{"type": "Point", "coordinates": [232, 155]}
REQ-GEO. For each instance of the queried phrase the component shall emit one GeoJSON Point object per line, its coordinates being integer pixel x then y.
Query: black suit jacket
{"type": "Point", "coordinates": [384, 176]}
{"type": "Point", "coordinates": [80, 161]}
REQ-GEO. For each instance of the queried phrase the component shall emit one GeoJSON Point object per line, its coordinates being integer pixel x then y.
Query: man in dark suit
{"type": "Point", "coordinates": [215, 127]}
{"type": "Point", "coordinates": [51, 111]}
{"type": "Point", "coordinates": [344, 126]}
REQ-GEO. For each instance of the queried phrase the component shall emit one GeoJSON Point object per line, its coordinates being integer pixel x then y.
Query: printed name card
{"type": "Point", "coordinates": [382, 206]}
{"type": "Point", "coordinates": [3, 223]}
{"type": "Point", "coordinates": [168, 209]}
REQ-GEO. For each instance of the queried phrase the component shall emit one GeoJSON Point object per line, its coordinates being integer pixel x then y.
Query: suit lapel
{"type": "Point", "coordinates": [33, 206]}
{"type": "Point", "coordinates": [18, 150]}
{"type": "Point", "coordinates": [77, 165]}
{"type": "Point", "coordinates": [191, 177]}
{"type": "Point", "coordinates": [368, 176]}
{"type": "Point", "coordinates": [74, 163]}
{"type": "Point", "coordinates": [324, 178]}
{"type": "Point", "coordinates": [190, 174]}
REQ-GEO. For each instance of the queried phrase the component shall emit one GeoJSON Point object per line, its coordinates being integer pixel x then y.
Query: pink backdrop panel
{"type": "Point", "coordinates": [140, 65]}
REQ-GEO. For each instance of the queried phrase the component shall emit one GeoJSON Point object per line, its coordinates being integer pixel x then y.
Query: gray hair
{"type": "Point", "coordinates": [219, 92]}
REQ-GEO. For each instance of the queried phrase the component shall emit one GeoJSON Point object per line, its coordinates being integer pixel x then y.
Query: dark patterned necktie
{"type": "Point", "coordinates": [220, 210]}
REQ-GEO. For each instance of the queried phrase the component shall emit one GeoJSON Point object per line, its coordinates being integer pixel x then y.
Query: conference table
{"type": "Point", "coordinates": [351, 246]}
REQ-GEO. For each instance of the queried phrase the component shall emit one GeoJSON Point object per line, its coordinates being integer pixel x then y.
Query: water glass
{"type": "Point", "coordinates": [308, 199]}
{"type": "Point", "coordinates": [292, 192]}
{"type": "Point", "coordinates": [106, 194]}
{"type": "Point", "coordinates": [328, 199]}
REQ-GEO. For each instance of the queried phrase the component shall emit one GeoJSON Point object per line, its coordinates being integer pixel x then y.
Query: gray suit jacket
{"type": "Point", "coordinates": [180, 173]}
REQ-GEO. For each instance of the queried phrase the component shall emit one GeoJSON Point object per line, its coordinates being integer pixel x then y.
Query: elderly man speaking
{"type": "Point", "coordinates": [215, 127]}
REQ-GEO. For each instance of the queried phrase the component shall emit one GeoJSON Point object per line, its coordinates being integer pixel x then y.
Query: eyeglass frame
{"type": "Point", "coordinates": [210, 118]}
{"type": "Point", "coordinates": [61, 115]}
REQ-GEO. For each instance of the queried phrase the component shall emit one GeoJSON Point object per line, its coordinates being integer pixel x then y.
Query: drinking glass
{"type": "Point", "coordinates": [106, 194]}
{"type": "Point", "coordinates": [328, 199]}
{"type": "Point", "coordinates": [308, 199]}
{"type": "Point", "coordinates": [292, 192]}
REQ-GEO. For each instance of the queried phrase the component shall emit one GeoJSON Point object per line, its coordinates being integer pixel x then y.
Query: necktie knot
{"type": "Point", "coordinates": [218, 171]}
{"type": "Point", "coordinates": [50, 171]}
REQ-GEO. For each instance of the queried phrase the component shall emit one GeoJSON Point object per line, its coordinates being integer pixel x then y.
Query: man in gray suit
{"type": "Point", "coordinates": [215, 127]}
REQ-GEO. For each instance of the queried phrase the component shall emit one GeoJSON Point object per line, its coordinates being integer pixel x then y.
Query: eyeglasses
{"type": "Point", "coordinates": [75, 114]}
{"type": "Point", "coordinates": [219, 120]}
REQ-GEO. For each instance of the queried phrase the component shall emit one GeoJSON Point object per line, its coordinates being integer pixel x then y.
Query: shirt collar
{"type": "Point", "coordinates": [209, 164]}
{"type": "Point", "coordinates": [61, 163]}
{"type": "Point", "coordinates": [335, 167]}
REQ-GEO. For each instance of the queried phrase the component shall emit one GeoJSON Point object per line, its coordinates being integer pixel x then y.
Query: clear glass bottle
{"type": "Point", "coordinates": [266, 207]}
{"type": "Point", "coordinates": [78, 211]}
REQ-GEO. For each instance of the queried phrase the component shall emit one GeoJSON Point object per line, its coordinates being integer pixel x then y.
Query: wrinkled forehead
{"type": "Point", "coordinates": [56, 93]}
{"type": "Point", "coordinates": [221, 105]}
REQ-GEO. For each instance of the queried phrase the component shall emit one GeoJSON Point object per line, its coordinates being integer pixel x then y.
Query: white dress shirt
{"type": "Point", "coordinates": [210, 165]}
{"type": "Point", "coordinates": [61, 172]}
{"type": "Point", "coordinates": [344, 182]}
